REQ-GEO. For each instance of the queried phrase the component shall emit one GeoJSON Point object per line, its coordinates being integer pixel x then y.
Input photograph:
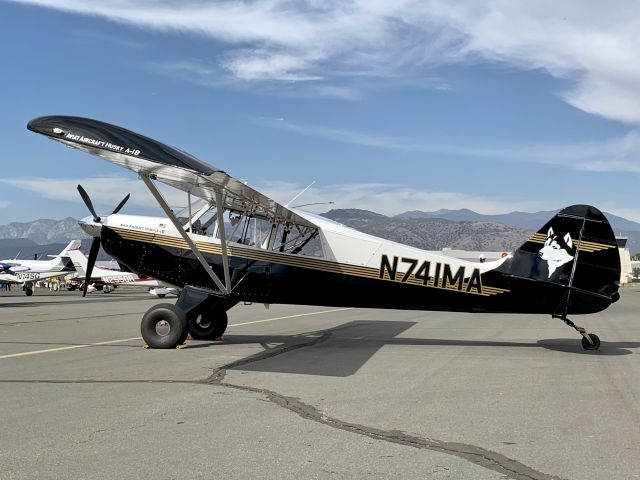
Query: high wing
{"type": "Point", "coordinates": [166, 164]}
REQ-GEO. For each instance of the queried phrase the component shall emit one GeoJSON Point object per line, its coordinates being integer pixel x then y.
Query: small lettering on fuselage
{"type": "Point", "coordinates": [28, 276]}
{"type": "Point", "coordinates": [119, 279]}
{"type": "Point", "coordinates": [142, 228]}
{"type": "Point", "coordinates": [443, 277]}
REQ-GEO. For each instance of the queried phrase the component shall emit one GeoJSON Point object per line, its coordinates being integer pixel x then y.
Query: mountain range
{"type": "Point", "coordinates": [530, 221]}
{"type": "Point", "coordinates": [459, 229]}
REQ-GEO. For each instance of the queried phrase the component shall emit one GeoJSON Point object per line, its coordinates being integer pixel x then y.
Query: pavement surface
{"type": "Point", "coordinates": [315, 392]}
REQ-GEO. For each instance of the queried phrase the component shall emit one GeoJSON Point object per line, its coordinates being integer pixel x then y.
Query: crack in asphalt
{"type": "Point", "coordinates": [482, 457]}
{"type": "Point", "coordinates": [477, 455]}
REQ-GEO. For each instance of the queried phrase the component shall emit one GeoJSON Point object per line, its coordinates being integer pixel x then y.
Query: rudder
{"type": "Point", "coordinates": [576, 249]}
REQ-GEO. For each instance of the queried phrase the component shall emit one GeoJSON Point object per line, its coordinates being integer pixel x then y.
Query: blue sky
{"type": "Point", "coordinates": [388, 106]}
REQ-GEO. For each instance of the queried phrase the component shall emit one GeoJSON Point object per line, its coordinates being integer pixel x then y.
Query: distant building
{"type": "Point", "coordinates": [635, 264]}
{"type": "Point", "coordinates": [626, 270]}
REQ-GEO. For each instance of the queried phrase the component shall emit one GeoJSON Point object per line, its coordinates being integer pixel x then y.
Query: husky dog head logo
{"type": "Point", "coordinates": [556, 251]}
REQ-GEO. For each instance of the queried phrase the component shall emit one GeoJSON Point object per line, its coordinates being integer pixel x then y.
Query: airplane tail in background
{"type": "Point", "coordinates": [576, 249]}
{"type": "Point", "coordinates": [79, 261]}
{"type": "Point", "coordinates": [60, 261]}
{"type": "Point", "coordinates": [73, 245]}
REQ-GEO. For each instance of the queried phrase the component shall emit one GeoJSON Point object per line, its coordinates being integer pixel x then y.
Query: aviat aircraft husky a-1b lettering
{"type": "Point", "coordinates": [235, 244]}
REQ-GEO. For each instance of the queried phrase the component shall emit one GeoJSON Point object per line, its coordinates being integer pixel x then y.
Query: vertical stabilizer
{"type": "Point", "coordinates": [576, 249]}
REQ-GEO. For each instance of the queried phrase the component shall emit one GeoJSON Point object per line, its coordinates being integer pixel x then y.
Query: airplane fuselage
{"type": "Point", "coordinates": [378, 273]}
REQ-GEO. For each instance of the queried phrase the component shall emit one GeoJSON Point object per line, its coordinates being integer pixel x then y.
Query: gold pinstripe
{"type": "Point", "coordinates": [290, 260]}
{"type": "Point", "coordinates": [583, 246]}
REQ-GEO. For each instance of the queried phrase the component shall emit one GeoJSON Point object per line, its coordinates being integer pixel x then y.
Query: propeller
{"type": "Point", "coordinates": [88, 203]}
{"type": "Point", "coordinates": [95, 244]}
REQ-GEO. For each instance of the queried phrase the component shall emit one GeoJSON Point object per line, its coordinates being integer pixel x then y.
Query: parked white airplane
{"type": "Point", "coordinates": [110, 278]}
{"type": "Point", "coordinates": [26, 272]}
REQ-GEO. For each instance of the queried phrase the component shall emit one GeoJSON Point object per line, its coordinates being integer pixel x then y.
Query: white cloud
{"type": "Point", "coordinates": [266, 65]}
{"type": "Point", "coordinates": [388, 199]}
{"type": "Point", "coordinates": [619, 154]}
{"type": "Point", "coordinates": [105, 192]}
{"type": "Point", "coordinates": [4, 203]}
{"type": "Point", "coordinates": [594, 45]}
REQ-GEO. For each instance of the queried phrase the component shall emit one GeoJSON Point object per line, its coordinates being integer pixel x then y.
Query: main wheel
{"type": "Point", "coordinates": [591, 346]}
{"type": "Point", "coordinates": [164, 326]}
{"type": "Point", "coordinates": [207, 325]}
{"type": "Point", "coordinates": [28, 291]}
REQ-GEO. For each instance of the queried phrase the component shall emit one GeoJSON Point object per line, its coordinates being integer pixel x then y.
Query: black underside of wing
{"type": "Point", "coordinates": [112, 138]}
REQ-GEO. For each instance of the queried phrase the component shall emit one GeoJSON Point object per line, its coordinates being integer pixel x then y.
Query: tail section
{"type": "Point", "coordinates": [79, 262]}
{"type": "Point", "coordinates": [73, 245]}
{"type": "Point", "coordinates": [61, 261]}
{"type": "Point", "coordinates": [576, 250]}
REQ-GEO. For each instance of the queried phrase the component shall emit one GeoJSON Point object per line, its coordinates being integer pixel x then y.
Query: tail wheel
{"type": "Point", "coordinates": [208, 325]}
{"type": "Point", "coordinates": [164, 326]}
{"type": "Point", "coordinates": [593, 345]}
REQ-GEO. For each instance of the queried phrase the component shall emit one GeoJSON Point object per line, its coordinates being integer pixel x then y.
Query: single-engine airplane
{"type": "Point", "coordinates": [26, 272]}
{"type": "Point", "coordinates": [235, 244]}
{"type": "Point", "coordinates": [110, 278]}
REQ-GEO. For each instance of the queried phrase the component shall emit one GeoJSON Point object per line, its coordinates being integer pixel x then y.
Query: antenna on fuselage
{"type": "Point", "coordinates": [304, 190]}
{"type": "Point", "coordinates": [314, 203]}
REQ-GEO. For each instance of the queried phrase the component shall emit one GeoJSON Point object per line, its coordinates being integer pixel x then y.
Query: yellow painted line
{"type": "Point", "coordinates": [98, 344]}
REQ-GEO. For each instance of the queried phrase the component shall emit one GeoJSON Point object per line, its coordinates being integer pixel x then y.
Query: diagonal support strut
{"type": "Point", "coordinates": [225, 261]}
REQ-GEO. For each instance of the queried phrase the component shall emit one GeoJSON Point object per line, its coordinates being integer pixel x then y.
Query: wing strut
{"type": "Point", "coordinates": [223, 237]}
{"type": "Point", "coordinates": [161, 201]}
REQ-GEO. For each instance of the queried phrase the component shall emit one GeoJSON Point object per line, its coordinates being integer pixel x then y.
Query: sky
{"type": "Point", "coordinates": [494, 106]}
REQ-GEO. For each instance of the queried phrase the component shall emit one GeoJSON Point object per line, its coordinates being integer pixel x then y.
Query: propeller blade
{"type": "Point", "coordinates": [87, 202]}
{"type": "Point", "coordinates": [93, 254]}
{"type": "Point", "coordinates": [121, 204]}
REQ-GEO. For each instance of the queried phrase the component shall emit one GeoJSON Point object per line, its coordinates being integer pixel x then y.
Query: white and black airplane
{"type": "Point", "coordinates": [109, 278]}
{"type": "Point", "coordinates": [236, 244]}
{"type": "Point", "coordinates": [26, 272]}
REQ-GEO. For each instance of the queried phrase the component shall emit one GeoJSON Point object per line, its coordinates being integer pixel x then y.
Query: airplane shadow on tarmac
{"type": "Point", "coordinates": [343, 350]}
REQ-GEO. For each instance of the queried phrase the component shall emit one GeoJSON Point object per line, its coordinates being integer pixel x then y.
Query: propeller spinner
{"type": "Point", "coordinates": [92, 227]}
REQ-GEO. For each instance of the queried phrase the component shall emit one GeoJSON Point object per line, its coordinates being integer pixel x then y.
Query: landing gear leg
{"type": "Point", "coordinates": [206, 312]}
{"type": "Point", "coordinates": [590, 341]}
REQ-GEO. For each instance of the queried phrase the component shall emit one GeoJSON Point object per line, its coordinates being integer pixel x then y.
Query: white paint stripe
{"type": "Point", "coordinates": [84, 345]}
{"type": "Point", "coordinates": [70, 347]}
{"type": "Point", "coordinates": [289, 316]}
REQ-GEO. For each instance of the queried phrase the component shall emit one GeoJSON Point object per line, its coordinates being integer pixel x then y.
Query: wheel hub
{"type": "Point", "coordinates": [163, 328]}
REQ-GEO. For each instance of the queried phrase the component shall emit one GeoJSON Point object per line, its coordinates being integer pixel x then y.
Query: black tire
{"type": "Point", "coordinates": [591, 346]}
{"type": "Point", "coordinates": [28, 291]}
{"type": "Point", "coordinates": [161, 295]}
{"type": "Point", "coordinates": [209, 325]}
{"type": "Point", "coordinates": [167, 317]}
